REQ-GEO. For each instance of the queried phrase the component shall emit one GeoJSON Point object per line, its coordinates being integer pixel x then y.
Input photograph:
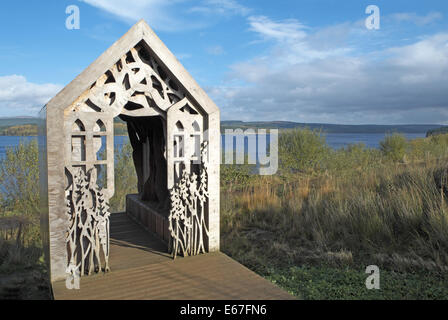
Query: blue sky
{"type": "Point", "coordinates": [304, 61]}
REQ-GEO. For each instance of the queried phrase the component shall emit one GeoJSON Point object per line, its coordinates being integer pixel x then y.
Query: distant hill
{"type": "Point", "coordinates": [18, 126]}
{"type": "Point", "coordinates": [331, 128]}
{"type": "Point", "coordinates": [17, 121]}
{"type": "Point", "coordinates": [27, 126]}
{"type": "Point", "coordinates": [24, 126]}
{"type": "Point", "coordinates": [20, 130]}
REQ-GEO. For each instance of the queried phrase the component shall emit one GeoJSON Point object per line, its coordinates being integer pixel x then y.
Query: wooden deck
{"type": "Point", "coordinates": [141, 269]}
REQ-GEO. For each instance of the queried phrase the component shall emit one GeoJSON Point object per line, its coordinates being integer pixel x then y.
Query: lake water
{"type": "Point", "coordinates": [11, 141]}
{"type": "Point", "coordinates": [334, 140]}
{"type": "Point", "coordinates": [371, 140]}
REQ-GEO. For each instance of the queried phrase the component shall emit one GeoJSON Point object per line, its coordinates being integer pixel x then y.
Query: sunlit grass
{"type": "Point", "coordinates": [311, 228]}
{"type": "Point", "coordinates": [358, 207]}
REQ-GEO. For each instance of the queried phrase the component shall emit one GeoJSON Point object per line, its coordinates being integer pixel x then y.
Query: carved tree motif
{"type": "Point", "coordinates": [187, 223]}
{"type": "Point", "coordinates": [88, 232]}
{"type": "Point", "coordinates": [136, 86]}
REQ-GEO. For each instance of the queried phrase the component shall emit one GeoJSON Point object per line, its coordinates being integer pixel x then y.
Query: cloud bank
{"type": "Point", "coordinates": [323, 74]}
{"type": "Point", "coordinates": [20, 97]}
{"type": "Point", "coordinates": [299, 81]}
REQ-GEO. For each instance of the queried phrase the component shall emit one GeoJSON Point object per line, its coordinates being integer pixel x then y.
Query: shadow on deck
{"type": "Point", "coordinates": [142, 269]}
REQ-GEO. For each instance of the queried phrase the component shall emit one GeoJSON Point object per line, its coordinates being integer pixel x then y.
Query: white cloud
{"type": "Point", "coordinates": [330, 37]}
{"type": "Point", "coordinates": [292, 43]}
{"type": "Point", "coordinates": [160, 14]}
{"type": "Point", "coordinates": [221, 7]}
{"type": "Point", "coordinates": [427, 53]}
{"type": "Point", "coordinates": [20, 97]}
{"type": "Point", "coordinates": [287, 30]}
{"type": "Point", "coordinates": [172, 15]}
{"type": "Point", "coordinates": [416, 19]}
{"type": "Point", "coordinates": [215, 50]}
{"type": "Point", "coordinates": [182, 56]}
{"type": "Point", "coordinates": [299, 81]}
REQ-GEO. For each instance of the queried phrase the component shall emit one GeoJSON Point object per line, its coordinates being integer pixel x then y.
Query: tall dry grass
{"type": "Point", "coordinates": [337, 207]}
{"type": "Point", "coordinates": [386, 211]}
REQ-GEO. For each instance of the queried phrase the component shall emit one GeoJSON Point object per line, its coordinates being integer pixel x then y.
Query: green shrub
{"type": "Point", "coordinates": [355, 156]}
{"type": "Point", "coordinates": [394, 146]}
{"type": "Point", "coordinates": [19, 195]}
{"type": "Point", "coordinates": [422, 149]}
{"type": "Point", "coordinates": [233, 175]}
{"type": "Point", "coordinates": [19, 179]}
{"type": "Point", "coordinates": [439, 145]}
{"type": "Point", "coordinates": [302, 150]}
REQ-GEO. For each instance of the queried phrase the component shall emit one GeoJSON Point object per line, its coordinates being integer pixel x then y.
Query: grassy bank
{"type": "Point", "coordinates": [315, 226]}
{"type": "Point", "coordinates": [312, 228]}
{"type": "Point", "coordinates": [316, 236]}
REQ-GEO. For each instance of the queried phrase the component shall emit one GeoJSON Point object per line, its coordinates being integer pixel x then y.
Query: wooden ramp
{"type": "Point", "coordinates": [141, 269]}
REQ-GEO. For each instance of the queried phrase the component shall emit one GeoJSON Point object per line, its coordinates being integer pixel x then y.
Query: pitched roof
{"type": "Point", "coordinates": [139, 32]}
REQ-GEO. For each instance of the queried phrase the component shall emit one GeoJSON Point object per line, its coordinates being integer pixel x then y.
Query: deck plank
{"type": "Point", "coordinates": [142, 270]}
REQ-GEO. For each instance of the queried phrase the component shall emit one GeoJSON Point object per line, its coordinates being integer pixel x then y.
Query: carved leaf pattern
{"type": "Point", "coordinates": [88, 231]}
{"type": "Point", "coordinates": [187, 223]}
